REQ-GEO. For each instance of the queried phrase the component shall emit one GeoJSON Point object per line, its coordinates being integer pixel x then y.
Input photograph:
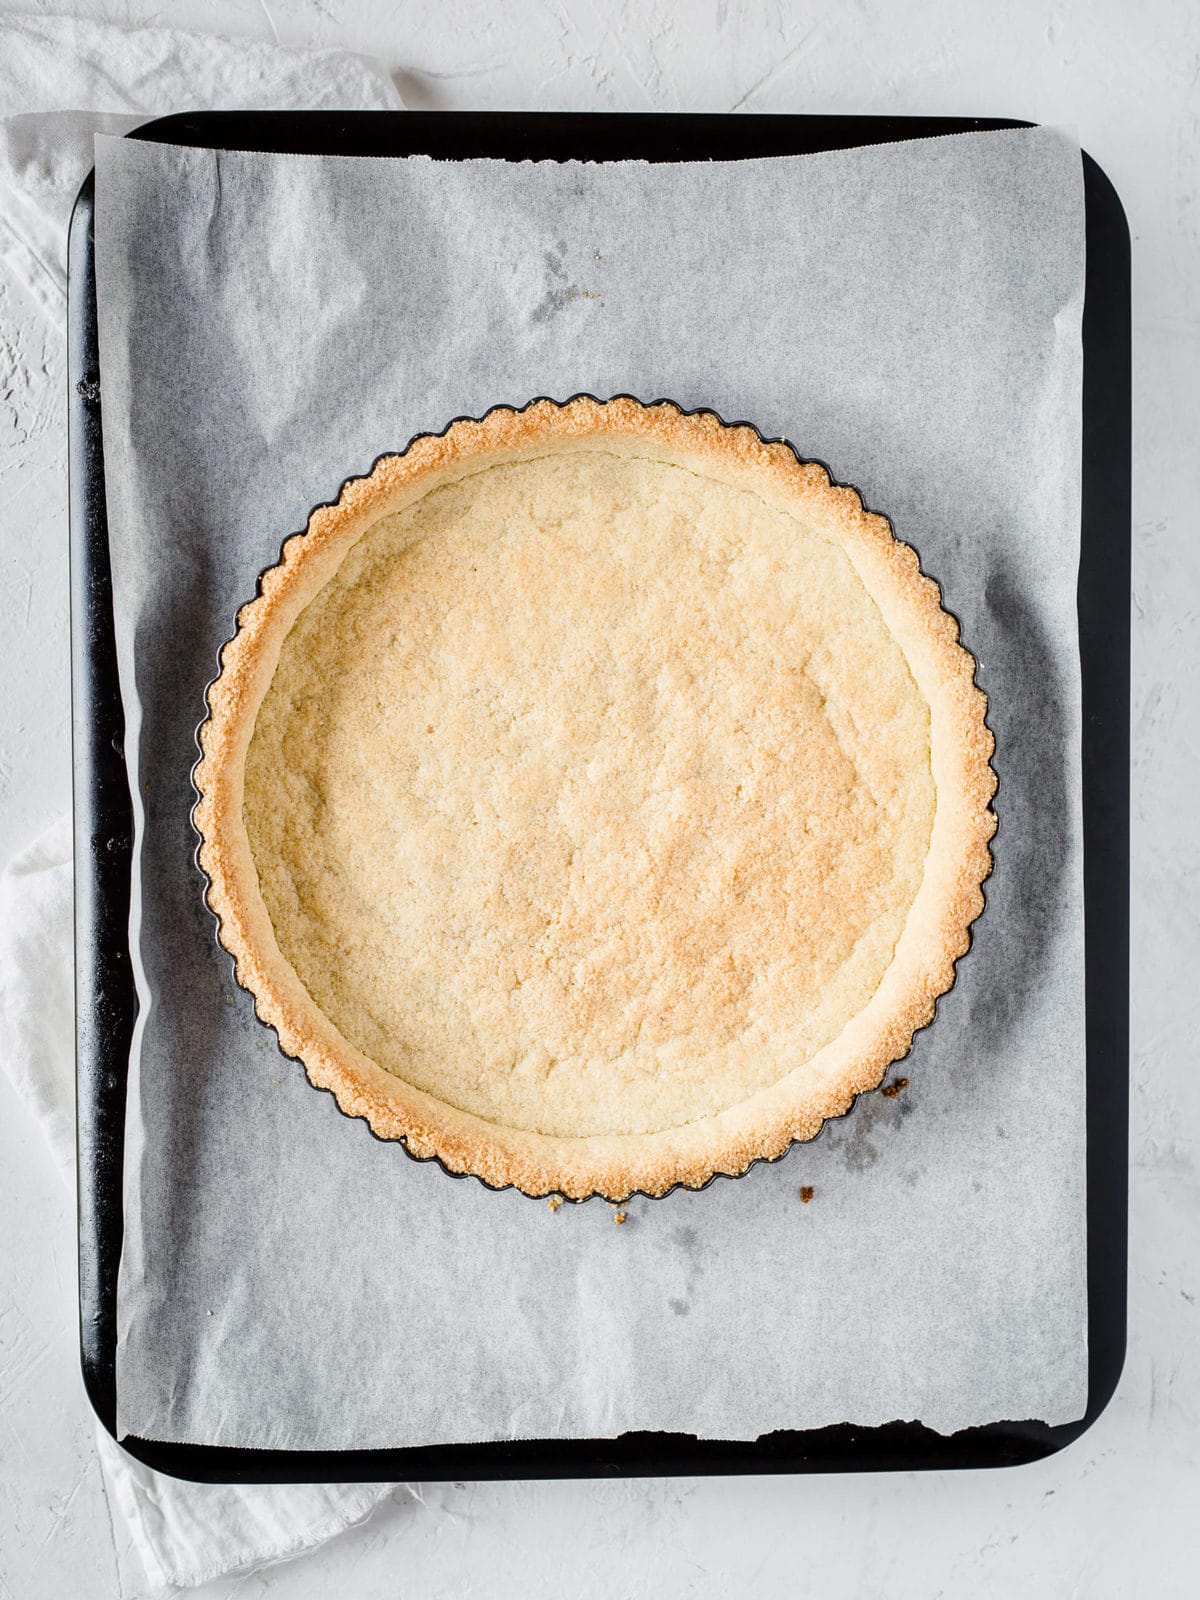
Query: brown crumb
{"type": "Point", "coordinates": [806, 1192]}
{"type": "Point", "coordinates": [619, 1216]}
{"type": "Point", "coordinates": [891, 1090]}
{"type": "Point", "coordinates": [554, 1202]}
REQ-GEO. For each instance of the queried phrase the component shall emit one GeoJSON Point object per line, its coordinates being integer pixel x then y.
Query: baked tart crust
{"type": "Point", "coordinates": [595, 797]}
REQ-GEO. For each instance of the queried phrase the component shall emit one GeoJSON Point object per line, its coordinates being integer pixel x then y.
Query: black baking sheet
{"type": "Point", "coordinates": [105, 1002]}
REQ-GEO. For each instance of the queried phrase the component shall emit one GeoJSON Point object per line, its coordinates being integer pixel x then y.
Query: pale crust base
{"type": "Point", "coordinates": [935, 934]}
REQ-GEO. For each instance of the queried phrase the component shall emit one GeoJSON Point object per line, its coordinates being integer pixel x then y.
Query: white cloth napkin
{"type": "Point", "coordinates": [61, 81]}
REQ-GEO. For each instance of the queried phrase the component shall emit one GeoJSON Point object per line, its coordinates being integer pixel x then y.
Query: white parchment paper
{"type": "Point", "coordinates": [911, 315]}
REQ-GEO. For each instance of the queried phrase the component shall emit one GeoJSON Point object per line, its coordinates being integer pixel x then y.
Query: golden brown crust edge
{"type": "Point", "coordinates": [936, 935]}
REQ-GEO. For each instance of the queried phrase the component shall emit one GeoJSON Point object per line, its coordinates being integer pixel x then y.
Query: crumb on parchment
{"type": "Point", "coordinates": [619, 1216]}
{"type": "Point", "coordinates": [806, 1192]}
{"type": "Point", "coordinates": [554, 1202]}
{"type": "Point", "coordinates": [891, 1090]}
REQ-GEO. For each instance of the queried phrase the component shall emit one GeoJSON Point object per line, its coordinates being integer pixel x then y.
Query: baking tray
{"type": "Point", "coordinates": [105, 1001]}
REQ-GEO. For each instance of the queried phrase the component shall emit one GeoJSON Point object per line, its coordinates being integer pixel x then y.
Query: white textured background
{"type": "Point", "coordinates": [1116, 1514]}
